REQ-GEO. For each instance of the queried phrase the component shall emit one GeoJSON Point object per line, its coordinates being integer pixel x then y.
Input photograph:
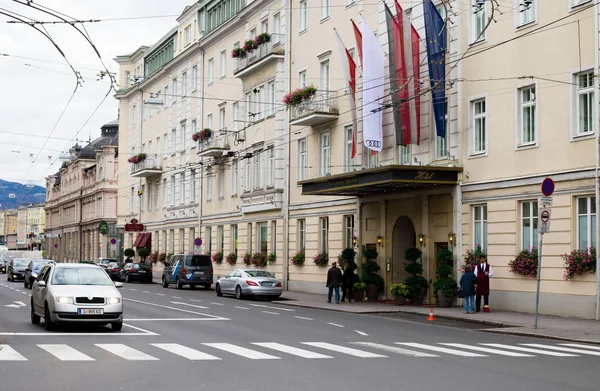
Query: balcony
{"type": "Point", "coordinates": [148, 167]}
{"type": "Point", "coordinates": [318, 110]}
{"type": "Point", "coordinates": [259, 57]}
{"type": "Point", "coordinates": [215, 146]}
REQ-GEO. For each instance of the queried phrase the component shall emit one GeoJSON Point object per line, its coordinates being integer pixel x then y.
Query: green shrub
{"type": "Point", "coordinates": [129, 252]}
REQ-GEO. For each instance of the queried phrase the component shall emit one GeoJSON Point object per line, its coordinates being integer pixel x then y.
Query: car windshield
{"type": "Point", "coordinates": [80, 276]}
{"type": "Point", "coordinates": [21, 263]}
{"type": "Point", "coordinates": [38, 265]}
{"type": "Point", "coordinates": [198, 260]}
{"type": "Point", "coordinates": [259, 273]}
{"type": "Point", "coordinates": [113, 265]}
{"type": "Point", "coordinates": [105, 261]}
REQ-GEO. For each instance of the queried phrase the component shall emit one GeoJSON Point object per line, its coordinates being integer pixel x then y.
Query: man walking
{"type": "Point", "coordinates": [334, 278]}
{"type": "Point", "coordinates": [483, 271]}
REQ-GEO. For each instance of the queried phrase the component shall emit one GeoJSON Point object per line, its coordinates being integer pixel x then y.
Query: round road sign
{"type": "Point", "coordinates": [113, 241]}
{"type": "Point", "coordinates": [545, 216]}
{"type": "Point", "coordinates": [547, 187]}
{"type": "Point", "coordinates": [198, 242]}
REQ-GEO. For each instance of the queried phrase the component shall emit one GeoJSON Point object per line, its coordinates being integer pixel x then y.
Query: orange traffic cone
{"type": "Point", "coordinates": [431, 315]}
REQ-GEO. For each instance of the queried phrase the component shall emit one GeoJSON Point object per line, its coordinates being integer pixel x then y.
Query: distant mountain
{"type": "Point", "coordinates": [23, 195]}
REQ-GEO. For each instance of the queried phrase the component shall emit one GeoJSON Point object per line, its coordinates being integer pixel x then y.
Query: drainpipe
{"type": "Point", "coordinates": [597, 181]}
{"type": "Point", "coordinates": [200, 202]}
{"type": "Point", "coordinates": [288, 70]}
{"type": "Point", "coordinates": [80, 225]}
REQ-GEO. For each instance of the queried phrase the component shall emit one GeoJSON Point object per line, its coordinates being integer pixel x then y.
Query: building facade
{"type": "Point", "coordinates": [81, 202]}
{"type": "Point", "coordinates": [36, 224]}
{"type": "Point", "coordinates": [8, 224]}
{"type": "Point", "coordinates": [22, 227]}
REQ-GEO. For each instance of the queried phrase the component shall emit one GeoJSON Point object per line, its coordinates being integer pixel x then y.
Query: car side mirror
{"type": "Point", "coordinates": [41, 283]}
{"type": "Point", "coordinates": [118, 284]}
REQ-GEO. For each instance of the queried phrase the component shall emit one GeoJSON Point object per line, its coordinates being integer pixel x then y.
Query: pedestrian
{"type": "Point", "coordinates": [468, 287]}
{"type": "Point", "coordinates": [348, 283]}
{"type": "Point", "coordinates": [334, 278]}
{"type": "Point", "coordinates": [483, 271]}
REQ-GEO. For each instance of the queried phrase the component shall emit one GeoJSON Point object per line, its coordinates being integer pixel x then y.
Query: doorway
{"type": "Point", "coordinates": [403, 237]}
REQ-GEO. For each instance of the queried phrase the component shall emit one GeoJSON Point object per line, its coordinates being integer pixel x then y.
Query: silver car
{"type": "Point", "coordinates": [76, 293]}
{"type": "Point", "coordinates": [249, 282]}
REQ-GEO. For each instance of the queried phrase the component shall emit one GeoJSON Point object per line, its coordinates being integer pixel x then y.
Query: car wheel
{"type": "Point", "coordinates": [116, 326]}
{"type": "Point", "coordinates": [178, 283]}
{"type": "Point", "coordinates": [165, 284]}
{"type": "Point", "coordinates": [35, 319]}
{"type": "Point", "coordinates": [218, 289]}
{"type": "Point", "coordinates": [238, 292]}
{"type": "Point", "coordinates": [48, 325]}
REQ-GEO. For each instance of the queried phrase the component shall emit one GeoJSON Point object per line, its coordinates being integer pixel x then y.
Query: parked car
{"type": "Point", "coordinates": [136, 272]}
{"type": "Point", "coordinates": [249, 282]}
{"type": "Point", "coordinates": [15, 270]}
{"type": "Point", "coordinates": [33, 269]}
{"type": "Point", "coordinates": [114, 271]}
{"type": "Point", "coordinates": [188, 269]}
{"type": "Point", "coordinates": [76, 293]}
{"type": "Point", "coordinates": [103, 262]}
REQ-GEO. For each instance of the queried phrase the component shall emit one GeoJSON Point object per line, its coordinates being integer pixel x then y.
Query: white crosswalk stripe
{"type": "Point", "coordinates": [65, 352]}
{"type": "Point", "coordinates": [290, 350]}
{"type": "Point", "coordinates": [184, 351]}
{"type": "Point", "coordinates": [343, 349]}
{"type": "Point", "coordinates": [9, 354]}
{"type": "Point", "coordinates": [126, 352]}
{"type": "Point", "coordinates": [487, 350]}
{"type": "Point", "coordinates": [240, 351]}
{"type": "Point", "coordinates": [394, 349]}
{"type": "Point", "coordinates": [529, 350]}
{"type": "Point", "coordinates": [440, 349]}
{"type": "Point", "coordinates": [578, 345]}
{"type": "Point", "coordinates": [562, 349]}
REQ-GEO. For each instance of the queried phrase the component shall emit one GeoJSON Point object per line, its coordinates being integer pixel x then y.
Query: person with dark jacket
{"type": "Point", "coordinates": [348, 280]}
{"type": "Point", "coordinates": [468, 286]}
{"type": "Point", "coordinates": [334, 278]}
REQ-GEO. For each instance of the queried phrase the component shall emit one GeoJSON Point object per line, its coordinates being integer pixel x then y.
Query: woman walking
{"type": "Point", "coordinates": [468, 286]}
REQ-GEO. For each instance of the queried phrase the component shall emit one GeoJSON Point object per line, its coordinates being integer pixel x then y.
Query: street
{"type": "Point", "coordinates": [194, 339]}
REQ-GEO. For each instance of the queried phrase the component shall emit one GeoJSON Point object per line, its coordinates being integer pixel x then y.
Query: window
{"type": "Point", "coordinates": [324, 156]}
{"type": "Point", "coordinates": [258, 170]}
{"type": "Point", "coordinates": [479, 126]}
{"type": "Point", "coordinates": [222, 118]}
{"type": "Point", "coordinates": [165, 197]}
{"type": "Point", "coordinates": [234, 177]}
{"type": "Point", "coordinates": [441, 143]}
{"type": "Point", "coordinates": [527, 117]}
{"type": "Point", "coordinates": [209, 182]}
{"type": "Point", "coordinates": [480, 226]}
{"type": "Point", "coordinates": [127, 78]}
{"type": "Point", "coordinates": [585, 104]}
{"type": "Point", "coordinates": [149, 197]}
{"type": "Point", "coordinates": [271, 167]}
{"type": "Point", "coordinates": [181, 188]}
{"type": "Point", "coordinates": [576, 3]}
{"type": "Point", "coordinates": [175, 89]}
{"type": "Point", "coordinates": [172, 196]}
{"type": "Point", "coordinates": [142, 190]}
{"type": "Point", "coordinates": [586, 222]}
{"type": "Point", "coordinates": [247, 177]}
{"type": "Point", "coordinates": [182, 240]}
{"type": "Point", "coordinates": [165, 145]}
{"type": "Point", "coordinates": [325, 10]}
{"type": "Point", "coordinates": [302, 79]}
{"type": "Point", "coordinates": [263, 237]}
{"type": "Point", "coordinates": [172, 235]}
{"type": "Point", "coordinates": [131, 200]}
{"type": "Point", "coordinates": [301, 224]}
{"type": "Point", "coordinates": [220, 238]}
{"type": "Point", "coordinates": [194, 78]}
{"type": "Point", "coordinates": [349, 162]}
{"type": "Point", "coordinates": [194, 126]}
{"type": "Point", "coordinates": [184, 84]}
{"type": "Point", "coordinates": [193, 186]}
{"type": "Point", "coordinates": [276, 28]}
{"type": "Point", "coordinates": [188, 35]}
{"type": "Point", "coordinates": [479, 20]}
{"type": "Point", "coordinates": [209, 240]}
{"type": "Point", "coordinates": [234, 239]}
{"type": "Point", "coordinates": [249, 244]}
{"type": "Point", "coordinates": [236, 114]}
{"type": "Point", "coordinates": [273, 236]}
{"type": "Point", "coordinates": [271, 98]}
{"type": "Point", "coordinates": [324, 76]}
{"type": "Point", "coordinates": [157, 195]}
{"type": "Point", "coordinates": [527, 13]}
{"type": "Point", "coordinates": [349, 231]}
{"type": "Point", "coordinates": [209, 121]}
{"type": "Point", "coordinates": [303, 14]}
{"type": "Point", "coordinates": [529, 224]}
{"type": "Point", "coordinates": [404, 155]}
{"type": "Point", "coordinates": [324, 234]}
{"type": "Point", "coordinates": [223, 63]}
{"type": "Point", "coordinates": [173, 140]}
{"type": "Point", "coordinates": [211, 70]}
{"type": "Point", "coordinates": [221, 182]}
{"type": "Point", "coordinates": [264, 26]}
{"type": "Point", "coordinates": [249, 107]}
{"type": "Point", "coordinates": [260, 99]}
{"type": "Point", "coordinates": [302, 162]}
{"type": "Point", "coordinates": [168, 97]}
{"type": "Point", "coordinates": [182, 136]}
{"type": "Point", "coordinates": [371, 159]}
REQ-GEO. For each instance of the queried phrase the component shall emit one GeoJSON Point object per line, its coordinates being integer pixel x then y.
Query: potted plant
{"type": "Point", "coordinates": [444, 288]}
{"type": "Point", "coordinates": [298, 258]}
{"type": "Point", "coordinates": [129, 252]}
{"type": "Point", "coordinates": [249, 46]}
{"type": "Point", "coordinates": [262, 38]}
{"type": "Point", "coordinates": [299, 95]}
{"type": "Point", "coordinates": [370, 275]}
{"type": "Point", "coordinates": [579, 262]}
{"type": "Point", "coordinates": [217, 257]}
{"type": "Point", "coordinates": [143, 252]}
{"type": "Point", "coordinates": [416, 282]}
{"type": "Point", "coordinates": [259, 259]}
{"type": "Point", "coordinates": [400, 292]}
{"type": "Point", "coordinates": [247, 259]}
{"type": "Point", "coordinates": [358, 291]}
{"type": "Point", "coordinates": [238, 53]}
{"type": "Point", "coordinates": [231, 258]}
{"type": "Point", "coordinates": [321, 259]}
{"type": "Point", "coordinates": [473, 257]}
{"type": "Point", "coordinates": [525, 263]}
{"type": "Point", "coordinates": [272, 258]}
{"type": "Point", "coordinates": [153, 257]}
{"type": "Point", "coordinates": [346, 258]}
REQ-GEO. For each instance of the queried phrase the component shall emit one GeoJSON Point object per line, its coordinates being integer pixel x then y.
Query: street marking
{"type": "Point", "coordinates": [65, 352]}
{"type": "Point", "coordinates": [25, 293]}
{"type": "Point", "coordinates": [303, 318]}
{"type": "Point", "coordinates": [290, 350]}
{"type": "Point", "coordinates": [441, 349]}
{"type": "Point", "coordinates": [217, 303]}
{"type": "Point", "coordinates": [176, 297]}
{"type": "Point", "coordinates": [177, 309]}
{"type": "Point", "coordinates": [269, 312]}
{"type": "Point", "coordinates": [163, 319]}
{"type": "Point", "coordinates": [487, 350]}
{"type": "Point", "coordinates": [9, 354]}
{"type": "Point", "coordinates": [140, 329]}
{"type": "Point", "coordinates": [106, 334]}
{"type": "Point", "coordinates": [248, 353]}
{"type": "Point", "coordinates": [242, 308]}
{"type": "Point", "coordinates": [184, 351]}
{"type": "Point", "coordinates": [189, 305]}
{"type": "Point", "coordinates": [577, 345]}
{"type": "Point", "coordinates": [145, 291]}
{"type": "Point", "coordinates": [160, 294]}
{"type": "Point", "coordinates": [361, 332]}
{"type": "Point", "coordinates": [272, 307]}
{"type": "Point", "coordinates": [131, 289]}
{"type": "Point", "coordinates": [335, 324]}
{"type": "Point", "coordinates": [126, 352]}
{"type": "Point", "coordinates": [561, 349]}
{"type": "Point", "coordinates": [394, 349]}
{"type": "Point", "coordinates": [197, 301]}
{"type": "Point", "coordinates": [18, 304]}
{"type": "Point", "coordinates": [528, 350]}
{"type": "Point", "coordinates": [343, 349]}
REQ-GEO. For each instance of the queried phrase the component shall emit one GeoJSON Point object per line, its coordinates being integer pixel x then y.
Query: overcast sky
{"type": "Point", "coordinates": [37, 83]}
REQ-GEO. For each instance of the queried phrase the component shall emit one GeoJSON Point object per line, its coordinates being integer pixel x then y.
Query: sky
{"type": "Point", "coordinates": [37, 84]}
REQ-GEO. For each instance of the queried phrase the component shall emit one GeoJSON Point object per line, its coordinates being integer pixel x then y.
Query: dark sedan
{"type": "Point", "coordinates": [114, 271]}
{"type": "Point", "coordinates": [136, 272]}
{"type": "Point", "coordinates": [16, 269]}
{"type": "Point", "coordinates": [33, 269]}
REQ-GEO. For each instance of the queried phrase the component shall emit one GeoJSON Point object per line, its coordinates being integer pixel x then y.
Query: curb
{"type": "Point", "coordinates": [538, 335]}
{"type": "Point", "coordinates": [291, 303]}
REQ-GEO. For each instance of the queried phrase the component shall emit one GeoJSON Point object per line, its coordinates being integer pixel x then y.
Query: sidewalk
{"type": "Point", "coordinates": [503, 322]}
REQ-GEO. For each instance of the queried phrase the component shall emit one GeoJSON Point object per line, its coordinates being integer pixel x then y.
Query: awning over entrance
{"type": "Point", "coordinates": [381, 180]}
{"type": "Point", "coordinates": [144, 239]}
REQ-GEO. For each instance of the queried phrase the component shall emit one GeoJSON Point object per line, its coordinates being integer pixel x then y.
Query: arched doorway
{"type": "Point", "coordinates": [403, 237]}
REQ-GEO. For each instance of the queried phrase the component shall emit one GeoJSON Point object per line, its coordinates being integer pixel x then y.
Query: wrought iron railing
{"type": "Point", "coordinates": [323, 102]}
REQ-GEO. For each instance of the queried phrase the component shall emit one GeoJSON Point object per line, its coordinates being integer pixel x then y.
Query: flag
{"type": "Point", "coordinates": [350, 74]}
{"type": "Point", "coordinates": [373, 88]}
{"type": "Point", "coordinates": [395, 47]}
{"type": "Point", "coordinates": [358, 37]}
{"type": "Point", "coordinates": [435, 32]}
{"type": "Point", "coordinates": [410, 53]}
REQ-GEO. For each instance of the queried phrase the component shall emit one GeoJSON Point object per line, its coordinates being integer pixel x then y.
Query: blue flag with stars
{"type": "Point", "coordinates": [435, 31]}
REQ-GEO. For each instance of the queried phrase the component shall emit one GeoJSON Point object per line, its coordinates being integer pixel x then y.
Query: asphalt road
{"type": "Point", "coordinates": [192, 339]}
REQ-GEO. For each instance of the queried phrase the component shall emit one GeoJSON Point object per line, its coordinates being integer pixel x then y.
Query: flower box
{"type": "Point", "coordinates": [238, 53]}
{"type": "Point", "coordinates": [140, 157]}
{"type": "Point", "coordinates": [299, 95]}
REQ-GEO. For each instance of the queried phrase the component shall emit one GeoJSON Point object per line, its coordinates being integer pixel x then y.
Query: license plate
{"type": "Point", "coordinates": [90, 311]}
{"type": "Point", "coordinates": [142, 271]}
{"type": "Point", "coordinates": [199, 272]}
{"type": "Point", "coordinates": [267, 284]}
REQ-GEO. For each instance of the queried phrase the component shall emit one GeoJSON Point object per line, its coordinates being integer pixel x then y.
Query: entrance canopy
{"type": "Point", "coordinates": [381, 180]}
{"type": "Point", "coordinates": [144, 239]}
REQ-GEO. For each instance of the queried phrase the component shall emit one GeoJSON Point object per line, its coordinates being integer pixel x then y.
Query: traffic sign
{"type": "Point", "coordinates": [198, 242]}
{"type": "Point", "coordinates": [548, 187]}
{"type": "Point", "coordinates": [544, 221]}
{"type": "Point", "coordinates": [546, 201]}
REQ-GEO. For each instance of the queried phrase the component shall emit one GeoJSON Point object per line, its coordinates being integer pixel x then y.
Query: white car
{"type": "Point", "coordinates": [76, 293]}
{"type": "Point", "coordinates": [249, 282]}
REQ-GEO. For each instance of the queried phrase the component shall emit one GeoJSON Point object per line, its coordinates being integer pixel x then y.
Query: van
{"type": "Point", "coordinates": [188, 269]}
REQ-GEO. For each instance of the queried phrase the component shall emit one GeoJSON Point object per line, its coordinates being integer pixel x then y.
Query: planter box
{"type": "Point", "coordinates": [400, 300]}
{"type": "Point", "coordinates": [358, 295]}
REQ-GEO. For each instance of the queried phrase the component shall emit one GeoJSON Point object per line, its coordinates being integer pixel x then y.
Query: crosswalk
{"type": "Point", "coordinates": [302, 350]}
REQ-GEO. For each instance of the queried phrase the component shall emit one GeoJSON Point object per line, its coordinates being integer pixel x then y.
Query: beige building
{"type": "Point", "coordinates": [35, 224]}
{"type": "Point", "coordinates": [8, 224]}
{"type": "Point", "coordinates": [81, 201]}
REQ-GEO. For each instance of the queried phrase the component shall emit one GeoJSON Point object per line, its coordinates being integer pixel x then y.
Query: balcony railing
{"type": "Point", "coordinates": [150, 166]}
{"type": "Point", "coordinates": [214, 146]}
{"type": "Point", "coordinates": [319, 109]}
{"type": "Point", "coordinates": [261, 54]}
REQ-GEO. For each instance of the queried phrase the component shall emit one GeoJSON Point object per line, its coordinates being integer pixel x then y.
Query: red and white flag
{"type": "Point", "coordinates": [350, 74]}
{"type": "Point", "coordinates": [358, 36]}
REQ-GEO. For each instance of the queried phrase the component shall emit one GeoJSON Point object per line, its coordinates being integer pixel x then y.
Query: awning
{"type": "Point", "coordinates": [144, 239]}
{"type": "Point", "coordinates": [380, 180]}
